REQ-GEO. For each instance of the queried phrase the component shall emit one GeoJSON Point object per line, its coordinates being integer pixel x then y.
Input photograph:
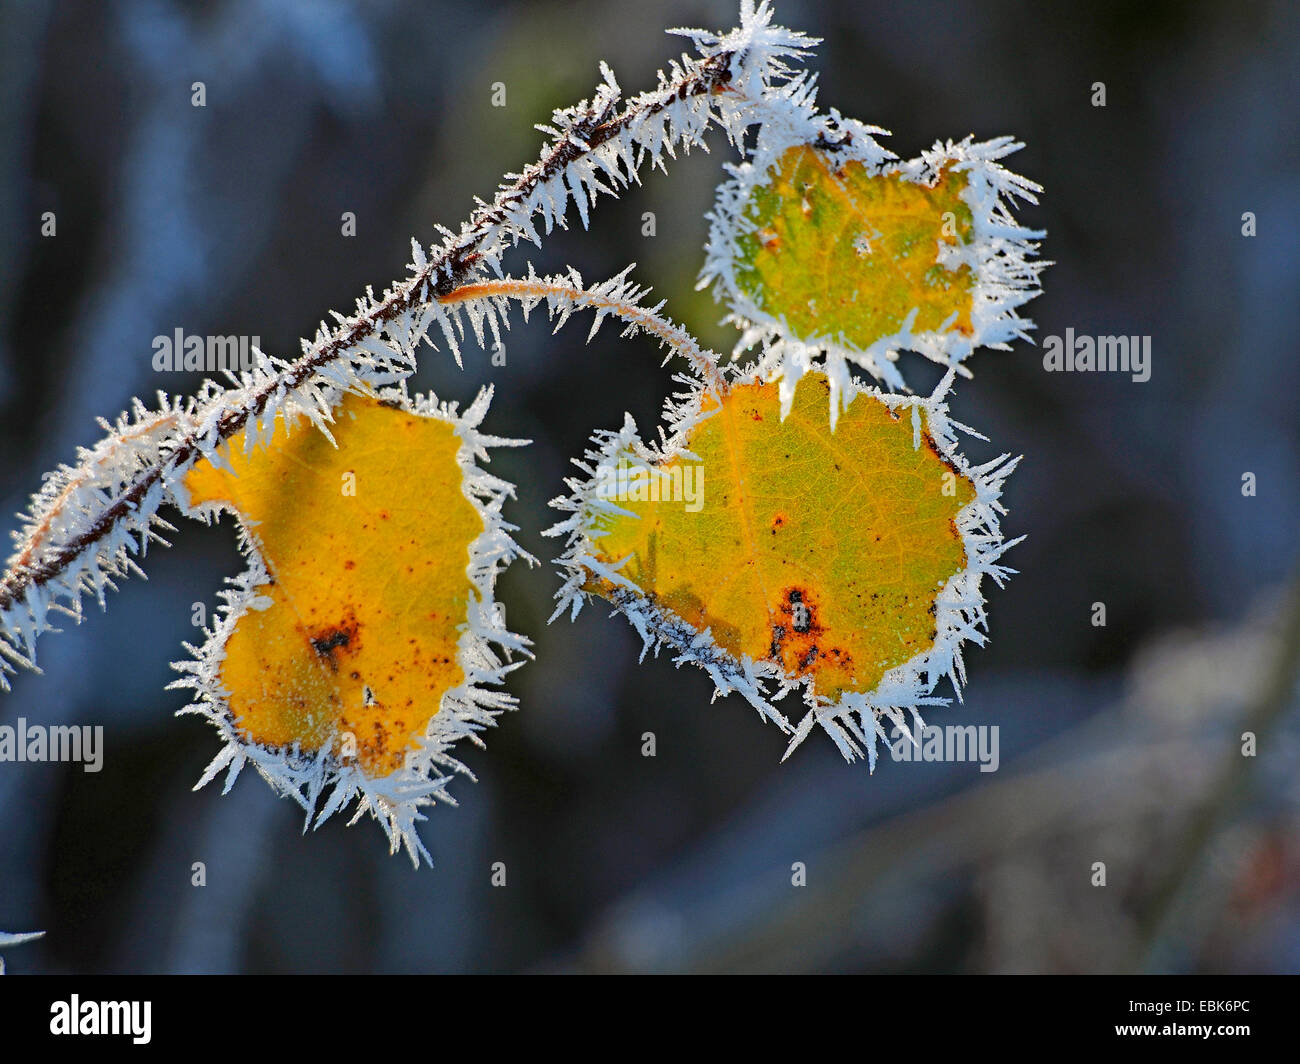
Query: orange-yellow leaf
{"type": "Point", "coordinates": [820, 552]}
{"type": "Point", "coordinates": [843, 251]}
{"type": "Point", "coordinates": [366, 546]}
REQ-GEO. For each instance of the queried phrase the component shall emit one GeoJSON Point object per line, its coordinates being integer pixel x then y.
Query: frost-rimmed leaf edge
{"type": "Point", "coordinates": [856, 721]}
{"type": "Point", "coordinates": [1001, 254]}
{"type": "Point", "coordinates": [485, 652]}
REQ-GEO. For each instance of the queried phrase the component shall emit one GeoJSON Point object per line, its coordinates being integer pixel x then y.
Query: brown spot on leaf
{"type": "Point", "coordinates": [332, 641]}
{"type": "Point", "coordinates": [796, 631]}
{"type": "Point", "coordinates": [778, 637]}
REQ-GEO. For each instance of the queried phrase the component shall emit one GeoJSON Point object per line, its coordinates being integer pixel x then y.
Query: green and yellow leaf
{"type": "Point", "coordinates": [827, 255]}
{"type": "Point", "coordinates": [845, 562]}
{"type": "Point", "coordinates": [839, 251]}
{"type": "Point", "coordinates": [821, 554]}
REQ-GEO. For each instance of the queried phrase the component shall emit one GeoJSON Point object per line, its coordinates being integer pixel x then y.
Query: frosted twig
{"type": "Point", "coordinates": [615, 296]}
{"type": "Point", "coordinates": [109, 451]}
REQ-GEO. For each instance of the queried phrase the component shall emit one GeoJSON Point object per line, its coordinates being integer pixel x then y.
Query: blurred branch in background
{"type": "Point", "coordinates": [1142, 786]}
{"type": "Point", "coordinates": [1166, 929]}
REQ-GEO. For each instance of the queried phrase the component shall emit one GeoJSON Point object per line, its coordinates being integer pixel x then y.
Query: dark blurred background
{"type": "Point", "coordinates": [1118, 744]}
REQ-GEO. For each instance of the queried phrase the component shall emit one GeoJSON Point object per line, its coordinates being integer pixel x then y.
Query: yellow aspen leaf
{"type": "Point", "coordinates": [822, 554]}
{"type": "Point", "coordinates": [841, 251]}
{"type": "Point", "coordinates": [844, 562]}
{"type": "Point", "coordinates": [352, 650]}
{"type": "Point", "coordinates": [368, 588]}
{"type": "Point", "coordinates": [829, 253]}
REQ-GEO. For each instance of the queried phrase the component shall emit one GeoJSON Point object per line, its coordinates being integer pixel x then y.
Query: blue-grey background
{"type": "Point", "coordinates": [227, 220]}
